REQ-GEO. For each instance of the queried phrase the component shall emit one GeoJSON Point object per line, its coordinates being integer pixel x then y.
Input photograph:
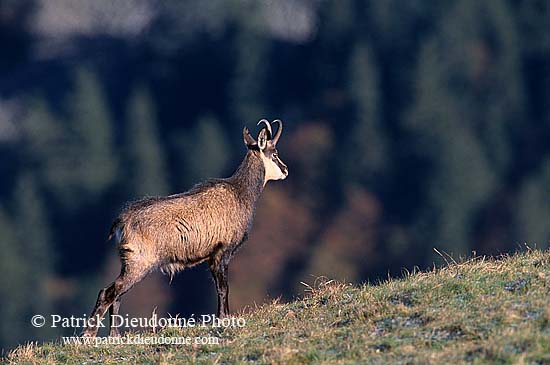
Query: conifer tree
{"type": "Point", "coordinates": [533, 209]}
{"type": "Point", "coordinates": [367, 153]}
{"type": "Point", "coordinates": [146, 157]}
{"type": "Point", "coordinates": [12, 283]}
{"type": "Point", "coordinates": [92, 141]}
{"type": "Point", "coordinates": [206, 151]}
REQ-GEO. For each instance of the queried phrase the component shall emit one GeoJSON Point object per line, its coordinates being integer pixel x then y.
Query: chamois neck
{"type": "Point", "coordinates": [249, 178]}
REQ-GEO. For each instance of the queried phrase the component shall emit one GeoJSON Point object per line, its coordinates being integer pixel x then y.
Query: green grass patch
{"type": "Point", "coordinates": [474, 312]}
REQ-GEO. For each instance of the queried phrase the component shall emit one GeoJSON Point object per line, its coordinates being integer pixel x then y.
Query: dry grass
{"type": "Point", "coordinates": [474, 312]}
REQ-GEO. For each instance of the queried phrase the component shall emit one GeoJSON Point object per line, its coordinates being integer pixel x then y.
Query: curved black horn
{"type": "Point", "coordinates": [268, 127]}
{"type": "Point", "coordinates": [279, 130]}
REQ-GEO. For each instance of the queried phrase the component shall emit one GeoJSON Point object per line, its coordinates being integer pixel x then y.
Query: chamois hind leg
{"type": "Point", "coordinates": [129, 276]}
{"type": "Point", "coordinates": [113, 311]}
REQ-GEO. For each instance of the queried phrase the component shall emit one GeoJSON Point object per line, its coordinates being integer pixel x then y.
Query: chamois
{"type": "Point", "coordinates": [207, 223]}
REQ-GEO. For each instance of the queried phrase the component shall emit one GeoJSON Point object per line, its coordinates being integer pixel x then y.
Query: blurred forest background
{"type": "Point", "coordinates": [408, 125]}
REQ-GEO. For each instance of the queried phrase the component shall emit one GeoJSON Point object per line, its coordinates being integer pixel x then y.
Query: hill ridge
{"type": "Point", "coordinates": [482, 310]}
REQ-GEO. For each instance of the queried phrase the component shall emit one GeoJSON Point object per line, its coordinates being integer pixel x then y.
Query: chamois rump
{"type": "Point", "coordinates": [205, 224]}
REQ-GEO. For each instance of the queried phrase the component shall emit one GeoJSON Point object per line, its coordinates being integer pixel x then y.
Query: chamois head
{"type": "Point", "coordinates": [266, 146]}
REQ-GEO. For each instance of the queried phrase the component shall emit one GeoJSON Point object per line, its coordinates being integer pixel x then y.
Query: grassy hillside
{"type": "Point", "coordinates": [480, 311]}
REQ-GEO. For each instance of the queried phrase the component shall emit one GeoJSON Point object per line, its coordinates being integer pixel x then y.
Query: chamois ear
{"type": "Point", "coordinates": [249, 141]}
{"type": "Point", "coordinates": [267, 126]}
{"type": "Point", "coordinates": [262, 138]}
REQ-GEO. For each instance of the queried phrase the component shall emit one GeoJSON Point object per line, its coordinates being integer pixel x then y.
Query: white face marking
{"type": "Point", "coordinates": [272, 170]}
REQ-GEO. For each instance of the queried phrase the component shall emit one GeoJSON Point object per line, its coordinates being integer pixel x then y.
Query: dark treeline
{"type": "Point", "coordinates": [409, 125]}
